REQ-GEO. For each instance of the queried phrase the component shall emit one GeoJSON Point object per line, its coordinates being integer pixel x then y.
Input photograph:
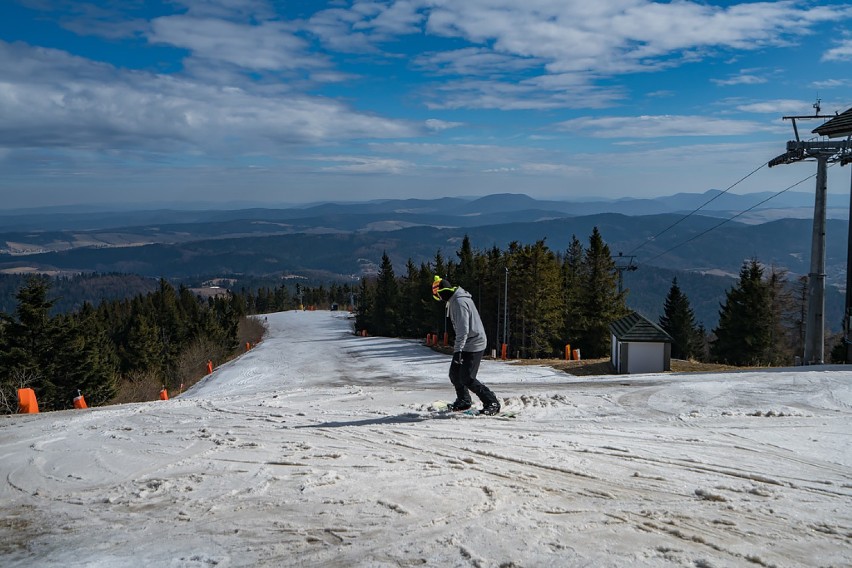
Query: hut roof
{"type": "Point", "coordinates": [638, 328]}
{"type": "Point", "coordinates": [840, 125]}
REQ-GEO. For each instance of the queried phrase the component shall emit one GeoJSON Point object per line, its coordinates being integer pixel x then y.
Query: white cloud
{"type": "Point", "coordinates": [457, 153]}
{"type": "Point", "coordinates": [539, 93]}
{"type": "Point", "coordinates": [574, 42]}
{"type": "Point", "coordinates": [601, 38]}
{"type": "Point", "coordinates": [541, 169]}
{"type": "Point", "coordinates": [50, 98]}
{"type": "Point", "coordinates": [398, 18]}
{"type": "Point", "coordinates": [362, 26]}
{"type": "Point", "coordinates": [228, 9]}
{"type": "Point", "coordinates": [265, 46]}
{"type": "Point", "coordinates": [366, 165]}
{"type": "Point", "coordinates": [778, 107]}
{"type": "Point", "coordinates": [661, 126]}
{"type": "Point", "coordinates": [481, 157]}
{"type": "Point", "coordinates": [832, 83]}
{"type": "Point", "coordinates": [473, 61]}
{"type": "Point", "coordinates": [620, 35]}
{"type": "Point", "coordinates": [336, 29]}
{"type": "Point", "coordinates": [843, 52]}
{"type": "Point", "coordinates": [741, 79]}
{"type": "Point", "coordinates": [438, 125]}
{"type": "Point", "coordinates": [554, 169]}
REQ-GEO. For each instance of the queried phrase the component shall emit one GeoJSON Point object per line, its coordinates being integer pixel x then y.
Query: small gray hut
{"type": "Point", "coordinates": [640, 346]}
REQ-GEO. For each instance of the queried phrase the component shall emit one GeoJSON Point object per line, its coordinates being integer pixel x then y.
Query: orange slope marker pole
{"type": "Point", "coordinates": [27, 403]}
{"type": "Point", "coordinates": [80, 401]}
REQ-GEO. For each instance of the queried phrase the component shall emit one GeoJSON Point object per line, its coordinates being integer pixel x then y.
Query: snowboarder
{"type": "Point", "coordinates": [468, 348]}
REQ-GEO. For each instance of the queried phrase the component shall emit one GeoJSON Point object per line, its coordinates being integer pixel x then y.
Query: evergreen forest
{"type": "Point", "coordinates": [536, 301]}
{"type": "Point", "coordinates": [530, 298]}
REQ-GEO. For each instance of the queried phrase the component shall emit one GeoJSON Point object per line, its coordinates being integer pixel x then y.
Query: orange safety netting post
{"type": "Point", "coordinates": [248, 346]}
{"type": "Point", "coordinates": [27, 403]}
{"type": "Point", "coordinates": [567, 351]}
{"type": "Point", "coordinates": [576, 354]}
{"type": "Point", "coordinates": [164, 394]}
{"type": "Point", "coordinates": [446, 339]}
{"type": "Point", "coordinates": [80, 401]}
{"type": "Point", "coordinates": [503, 351]}
{"type": "Point", "coordinates": [209, 366]}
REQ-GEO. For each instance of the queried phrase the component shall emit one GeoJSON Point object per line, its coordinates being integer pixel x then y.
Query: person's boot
{"type": "Point", "coordinates": [490, 404]}
{"type": "Point", "coordinates": [459, 405]}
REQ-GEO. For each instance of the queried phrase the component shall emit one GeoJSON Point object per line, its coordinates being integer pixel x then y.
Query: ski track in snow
{"type": "Point", "coordinates": [319, 448]}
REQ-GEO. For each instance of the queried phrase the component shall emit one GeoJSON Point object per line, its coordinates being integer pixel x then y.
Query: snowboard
{"type": "Point", "coordinates": [442, 407]}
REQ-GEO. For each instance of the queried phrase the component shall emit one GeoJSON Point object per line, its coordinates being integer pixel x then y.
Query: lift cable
{"type": "Point", "coordinates": [714, 227]}
{"type": "Point", "coordinates": [718, 195]}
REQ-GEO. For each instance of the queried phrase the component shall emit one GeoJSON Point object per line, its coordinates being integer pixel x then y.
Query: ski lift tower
{"type": "Point", "coordinates": [841, 127]}
{"type": "Point", "coordinates": [824, 152]}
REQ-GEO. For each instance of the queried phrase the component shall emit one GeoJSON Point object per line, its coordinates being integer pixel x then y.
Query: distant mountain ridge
{"type": "Point", "coordinates": [446, 211]}
{"type": "Point", "coordinates": [345, 241]}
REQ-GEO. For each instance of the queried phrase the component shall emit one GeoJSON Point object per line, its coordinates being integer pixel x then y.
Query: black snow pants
{"type": "Point", "coordinates": [463, 377]}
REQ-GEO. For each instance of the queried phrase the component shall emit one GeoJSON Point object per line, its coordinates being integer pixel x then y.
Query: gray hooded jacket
{"type": "Point", "coordinates": [470, 333]}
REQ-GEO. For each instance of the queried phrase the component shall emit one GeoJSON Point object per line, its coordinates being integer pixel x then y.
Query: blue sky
{"type": "Point", "coordinates": [251, 101]}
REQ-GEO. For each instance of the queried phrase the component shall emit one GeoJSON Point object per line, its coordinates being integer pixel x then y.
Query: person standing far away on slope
{"type": "Point", "coordinates": [468, 349]}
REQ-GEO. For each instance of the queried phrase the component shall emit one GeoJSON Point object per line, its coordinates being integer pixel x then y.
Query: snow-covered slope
{"type": "Point", "coordinates": [317, 448]}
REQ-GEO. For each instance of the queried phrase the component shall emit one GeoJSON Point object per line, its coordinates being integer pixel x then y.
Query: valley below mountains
{"type": "Point", "coordinates": [346, 241]}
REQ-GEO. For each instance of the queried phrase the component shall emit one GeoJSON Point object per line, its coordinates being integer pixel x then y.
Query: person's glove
{"type": "Point", "coordinates": [457, 358]}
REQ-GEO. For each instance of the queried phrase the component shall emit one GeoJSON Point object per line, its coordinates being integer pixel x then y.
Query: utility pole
{"type": "Point", "coordinates": [620, 266]}
{"type": "Point", "coordinates": [506, 307]}
{"type": "Point", "coordinates": [824, 153]}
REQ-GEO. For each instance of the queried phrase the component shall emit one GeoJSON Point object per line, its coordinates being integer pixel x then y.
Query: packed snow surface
{"type": "Point", "coordinates": [319, 448]}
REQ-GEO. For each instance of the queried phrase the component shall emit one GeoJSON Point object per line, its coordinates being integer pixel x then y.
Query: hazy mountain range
{"type": "Point", "coordinates": [466, 212]}
{"type": "Point", "coordinates": [347, 240]}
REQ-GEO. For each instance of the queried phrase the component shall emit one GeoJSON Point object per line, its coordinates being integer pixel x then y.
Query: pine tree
{"type": "Point", "coordinates": [386, 307]}
{"type": "Point", "coordinates": [8, 386]}
{"type": "Point", "coordinates": [744, 335]}
{"type": "Point", "coordinates": [365, 306]}
{"type": "Point", "coordinates": [537, 274]}
{"type": "Point", "coordinates": [783, 317]}
{"type": "Point", "coordinates": [33, 339]}
{"type": "Point", "coordinates": [169, 322]}
{"type": "Point", "coordinates": [465, 274]}
{"type": "Point", "coordinates": [440, 267]}
{"type": "Point", "coordinates": [412, 310]}
{"type": "Point", "coordinates": [281, 299]}
{"type": "Point", "coordinates": [86, 360]}
{"type": "Point", "coordinates": [678, 320]}
{"type": "Point", "coordinates": [439, 322]}
{"type": "Point", "coordinates": [572, 288]}
{"type": "Point", "coordinates": [513, 298]}
{"type": "Point", "coordinates": [491, 304]}
{"type": "Point", "coordinates": [601, 301]}
{"type": "Point", "coordinates": [142, 350]}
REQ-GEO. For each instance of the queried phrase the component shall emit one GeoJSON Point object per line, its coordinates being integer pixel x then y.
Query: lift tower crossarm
{"type": "Point", "coordinates": [793, 119]}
